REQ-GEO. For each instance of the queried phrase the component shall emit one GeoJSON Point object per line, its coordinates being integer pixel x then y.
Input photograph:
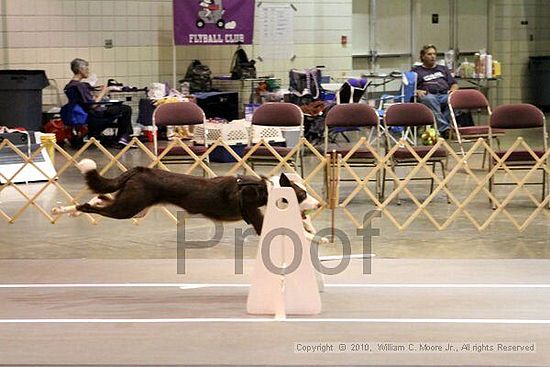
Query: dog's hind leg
{"type": "Point", "coordinates": [72, 210]}
{"type": "Point", "coordinates": [127, 204]}
{"type": "Point", "coordinates": [112, 211]}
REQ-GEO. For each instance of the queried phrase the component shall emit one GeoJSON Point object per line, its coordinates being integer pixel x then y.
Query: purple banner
{"type": "Point", "coordinates": [213, 22]}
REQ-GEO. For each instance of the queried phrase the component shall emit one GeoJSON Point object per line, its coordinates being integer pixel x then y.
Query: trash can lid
{"type": "Point", "coordinates": [539, 58]}
{"type": "Point", "coordinates": [23, 79]}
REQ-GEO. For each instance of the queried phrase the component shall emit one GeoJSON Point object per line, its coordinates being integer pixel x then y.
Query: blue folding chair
{"type": "Point", "coordinates": [407, 94]}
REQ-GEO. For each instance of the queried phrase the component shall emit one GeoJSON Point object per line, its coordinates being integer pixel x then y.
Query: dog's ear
{"type": "Point", "coordinates": [284, 181]}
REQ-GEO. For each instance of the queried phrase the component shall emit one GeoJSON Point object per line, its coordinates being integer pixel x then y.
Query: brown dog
{"type": "Point", "coordinates": [224, 198]}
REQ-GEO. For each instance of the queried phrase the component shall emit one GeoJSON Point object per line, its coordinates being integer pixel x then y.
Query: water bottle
{"type": "Point", "coordinates": [248, 112]}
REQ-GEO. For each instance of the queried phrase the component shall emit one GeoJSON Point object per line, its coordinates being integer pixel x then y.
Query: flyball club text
{"type": "Point", "coordinates": [216, 38]}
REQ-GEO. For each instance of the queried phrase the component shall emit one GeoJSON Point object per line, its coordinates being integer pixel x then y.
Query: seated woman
{"type": "Point", "coordinates": [100, 116]}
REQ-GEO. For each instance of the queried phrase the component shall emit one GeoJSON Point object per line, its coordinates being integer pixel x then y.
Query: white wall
{"type": "Point", "coordinates": [318, 26]}
{"type": "Point", "coordinates": [3, 34]}
{"type": "Point", "coordinates": [47, 34]}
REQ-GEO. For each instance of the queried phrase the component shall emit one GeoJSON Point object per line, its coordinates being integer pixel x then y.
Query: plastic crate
{"type": "Point", "coordinates": [233, 133]}
{"type": "Point", "coordinates": [292, 137]}
{"type": "Point", "coordinates": [268, 133]}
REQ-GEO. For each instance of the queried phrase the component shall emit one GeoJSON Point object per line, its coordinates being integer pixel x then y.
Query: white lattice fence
{"type": "Point", "coordinates": [468, 196]}
{"type": "Point", "coordinates": [461, 197]}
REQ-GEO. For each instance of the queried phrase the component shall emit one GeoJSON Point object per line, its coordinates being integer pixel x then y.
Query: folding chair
{"type": "Point", "coordinates": [411, 115]}
{"type": "Point", "coordinates": [177, 114]}
{"type": "Point", "coordinates": [357, 116]}
{"type": "Point", "coordinates": [350, 92]}
{"type": "Point", "coordinates": [519, 116]}
{"type": "Point", "coordinates": [278, 115]}
{"type": "Point", "coordinates": [470, 100]}
{"type": "Point", "coordinates": [407, 94]}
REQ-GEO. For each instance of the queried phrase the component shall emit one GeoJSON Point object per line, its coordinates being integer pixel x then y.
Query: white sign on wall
{"type": "Point", "coordinates": [275, 31]}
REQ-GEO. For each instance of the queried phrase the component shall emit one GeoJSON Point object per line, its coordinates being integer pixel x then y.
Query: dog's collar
{"type": "Point", "coordinates": [241, 181]}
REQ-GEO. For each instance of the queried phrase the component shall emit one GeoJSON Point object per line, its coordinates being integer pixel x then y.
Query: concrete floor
{"type": "Point", "coordinates": [113, 294]}
{"type": "Point", "coordinates": [200, 318]}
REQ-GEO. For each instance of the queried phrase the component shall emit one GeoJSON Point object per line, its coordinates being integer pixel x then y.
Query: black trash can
{"type": "Point", "coordinates": [539, 71]}
{"type": "Point", "coordinates": [21, 98]}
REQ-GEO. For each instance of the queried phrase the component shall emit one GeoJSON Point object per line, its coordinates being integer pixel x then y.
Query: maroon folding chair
{"type": "Point", "coordinates": [471, 100]}
{"type": "Point", "coordinates": [279, 115]}
{"type": "Point", "coordinates": [411, 115]}
{"type": "Point", "coordinates": [354, 115]}
{"type": "Point", "coordinates": [520, 116]}
{"type": "Point", "coordinates": [178, 114]}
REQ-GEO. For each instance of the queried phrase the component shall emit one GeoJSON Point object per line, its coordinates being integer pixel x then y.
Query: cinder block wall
{"type": "Point", "coordinates": [3, 35]}
{"type": "Point", "coordinates": [514, 42]}
{"type": "Point", "coordinates": [47, 34]}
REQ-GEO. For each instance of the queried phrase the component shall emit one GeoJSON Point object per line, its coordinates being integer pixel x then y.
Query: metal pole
{"type": "Point", "coordinates": [333, 178]}
{"type": "Point", "coordinates": [174, 58]}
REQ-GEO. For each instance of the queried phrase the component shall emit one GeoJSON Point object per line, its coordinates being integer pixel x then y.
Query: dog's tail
{"type": "Point", "coordinates": [100, 184]}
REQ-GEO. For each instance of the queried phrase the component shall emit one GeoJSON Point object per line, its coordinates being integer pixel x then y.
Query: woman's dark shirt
{"type": "Point", "coordinates": [80, 92]}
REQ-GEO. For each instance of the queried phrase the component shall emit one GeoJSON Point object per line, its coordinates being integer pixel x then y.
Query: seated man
{"type": "Point", "coordinates": [434, 84]}
{"type": "Point", "coordinates": [99, 116]}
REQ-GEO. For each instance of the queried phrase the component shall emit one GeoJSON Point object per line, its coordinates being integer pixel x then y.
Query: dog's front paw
{"type": "Point", "coordinates": [322, 240]}
{"type": "Point", "coordinates": [62, 209]}
{"type": "Point", "coordinates": [316, 239]}
{"type": "Point", "coordinates": [71, 210]}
